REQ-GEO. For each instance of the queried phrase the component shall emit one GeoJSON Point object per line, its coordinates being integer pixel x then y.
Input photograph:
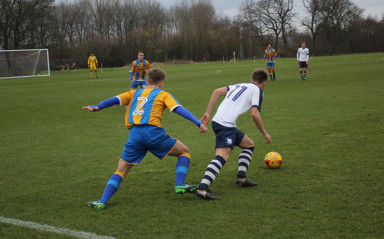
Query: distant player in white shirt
{"type": "Point", "coordinates": [302, 59]}
{"type": "Point", "coordinates": [238, 99]}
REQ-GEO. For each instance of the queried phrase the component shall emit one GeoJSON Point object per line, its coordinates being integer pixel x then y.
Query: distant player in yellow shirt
{"type": "Point", "coordinates": [92, 63]}
{"type": "Point", "coordinates": [138, 70]}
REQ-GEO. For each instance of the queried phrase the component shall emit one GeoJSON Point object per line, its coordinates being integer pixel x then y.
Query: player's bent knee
{"type": "Point", "coordinates": [246, 143]}
{"type": "Point", "coordinates": [179, 149]}
{"type": "Point", "coordinates": [186, 151]}
{"type": "Point", "coordinates": [249, 144]}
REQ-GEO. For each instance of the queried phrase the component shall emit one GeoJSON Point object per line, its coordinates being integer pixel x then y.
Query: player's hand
{"type": "Point", "coordinates": [90, 108]}
{"type": "Point", "coordinates": [268, 138]}
{"type": "Point", "coordinates": [88, 66]}
{"type": "Point", "coordinates": [205, 118]}
{"type": "Point", "coordinates": [203, 128]}
{"type": "Point", "coordinates": [132, 81]}
{"type": "Point", "coordinates": [298, 62]}
{"type": "Point", "coordinates": [306, 62]}
{"type": "Point", "coordinates": [97, 64]}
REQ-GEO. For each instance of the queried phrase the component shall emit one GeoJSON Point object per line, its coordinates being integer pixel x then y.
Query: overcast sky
{"type": "Point", "coordinates": [230, 7]}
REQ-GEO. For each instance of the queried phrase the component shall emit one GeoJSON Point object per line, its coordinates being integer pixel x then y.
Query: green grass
{"type": "Point", "coordinates": [329, 130]}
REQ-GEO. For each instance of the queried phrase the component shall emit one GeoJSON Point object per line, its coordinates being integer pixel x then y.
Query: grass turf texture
{"type": "Point", "coordinates": [329, 130]}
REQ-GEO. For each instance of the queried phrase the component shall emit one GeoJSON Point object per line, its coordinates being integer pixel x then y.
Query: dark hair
{"type": "Point", "coordinates": [259, 75]}
{"type": "Point", "coordinates": [269, 43]}
{"type": "Point", "coordinates": [140, 52]}
{"type": "Point", "coordinates": [155, 76]}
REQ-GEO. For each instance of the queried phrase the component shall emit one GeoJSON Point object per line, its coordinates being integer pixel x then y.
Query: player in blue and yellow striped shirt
{"type": "Point", "coordinates": [143, 118]}
{"type": "Point", "coordinates": [270, 57]}
{"type": "Point", "coordinates": [138, 70]}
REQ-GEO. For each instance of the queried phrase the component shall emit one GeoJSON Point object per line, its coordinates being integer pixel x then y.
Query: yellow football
{"type": "Point", "coordinates": [273, 160]}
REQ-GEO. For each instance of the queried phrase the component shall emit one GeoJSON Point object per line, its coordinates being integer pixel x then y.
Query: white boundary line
{"type": "Point", "coordinates": [58, 230]}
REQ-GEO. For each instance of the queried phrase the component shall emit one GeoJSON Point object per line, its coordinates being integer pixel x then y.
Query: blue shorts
{"type": "Point", "coordinates": [147, 138]}
{"type": "Point", "coordinates": [136, 83]}
{"type": "Point", "coordinates": [270, 64]}
{"type": "Point", "coordinates": [303, 64]}
{"type": "Point", "coordinates": [226, 136]}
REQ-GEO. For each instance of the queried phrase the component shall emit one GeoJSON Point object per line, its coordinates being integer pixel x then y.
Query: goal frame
{"type": "Point", "coordinates": [34, 71]}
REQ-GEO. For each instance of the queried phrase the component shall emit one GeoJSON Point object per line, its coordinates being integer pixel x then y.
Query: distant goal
{"type": "Point", "coordinates": [24, 63]}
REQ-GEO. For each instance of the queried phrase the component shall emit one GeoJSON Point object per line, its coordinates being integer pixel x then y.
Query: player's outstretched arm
{"type": "Point", "coordinates": [104, 104]}
{"type": "Point", "coordinates": [259, 123]}
{"type": "Point", "coordinates": [183, 112]}
{"type": "Point", "coordinates": [214, 97]}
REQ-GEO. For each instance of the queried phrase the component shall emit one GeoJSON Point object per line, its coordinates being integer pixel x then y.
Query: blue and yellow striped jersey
{"type": "Point", "coordinates": [270, 55]}
{"type": "Point", "coordinates": [146, 106]}
{"type": "Point", "coordinates": [138, 69]}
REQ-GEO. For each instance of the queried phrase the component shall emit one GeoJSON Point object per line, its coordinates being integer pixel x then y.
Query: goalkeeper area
{"type": "Point", "coordinates": [24, 63]}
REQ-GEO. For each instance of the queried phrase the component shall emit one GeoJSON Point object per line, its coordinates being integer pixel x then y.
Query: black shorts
{"type": "Point", "coordinates": [303, 64]}
{"type": "Point", "coordinates": [227, 136]}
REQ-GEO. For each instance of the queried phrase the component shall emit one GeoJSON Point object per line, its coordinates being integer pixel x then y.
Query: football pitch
{"type": "Point", "coordinates": [329, 130]}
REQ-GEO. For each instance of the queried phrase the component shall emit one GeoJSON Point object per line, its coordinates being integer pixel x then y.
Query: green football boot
{"type": "Point", "coordinates": [185, 188]}
{"type": "Point", "coordinates": [97, 204]}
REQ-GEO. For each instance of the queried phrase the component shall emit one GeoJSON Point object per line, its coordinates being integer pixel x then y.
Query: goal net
{"type": "Point", "coordinates": [24, 63]}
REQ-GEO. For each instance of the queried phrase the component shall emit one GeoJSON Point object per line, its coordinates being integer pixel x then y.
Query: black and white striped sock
{"type": "Point", "coordinates": [212, 171]}
{"type": "Point", "coordinates": [245, 158]}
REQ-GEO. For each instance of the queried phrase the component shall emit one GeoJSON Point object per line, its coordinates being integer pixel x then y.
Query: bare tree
{"type": "Point", "coordinates": [269, 17]}
{"type": "Point", "coordinates": [18, 20]}
{"type": "Point", "coordinates": [183, 28]}
{"type": "Point", "coordinates": [82, 21]}
{"type": "Point", "coordinates": [119, 13]}
{"type": "Point", "coordinates": [250, 14]}
{"type": "Point", "coordinates": [283, 11]}
{"type": "Point", "coordinates": [314, 21]}
{"type": "Point", "coordinates": [202, 14]}
{"type": "Point", "coordinates": [67, 22]}
{"type": "Point", "coordinates": [338, 16]}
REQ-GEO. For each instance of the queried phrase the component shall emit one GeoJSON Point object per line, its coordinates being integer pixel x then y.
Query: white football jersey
{"type": "Point", "coordinates": [238, 100]}
{"type": "Point", "coordinates": [303, 54]}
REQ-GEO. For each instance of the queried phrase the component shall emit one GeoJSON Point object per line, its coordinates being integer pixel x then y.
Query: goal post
{"type": "Point", "coordinates": [24, 63]}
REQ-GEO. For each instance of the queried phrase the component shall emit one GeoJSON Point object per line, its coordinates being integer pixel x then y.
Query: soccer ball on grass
{"type": "Point", "coordinates": [273, 160]}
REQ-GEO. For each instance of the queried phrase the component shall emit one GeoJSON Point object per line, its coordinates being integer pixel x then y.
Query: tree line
{"type": "Point", "coordinates": [114, 30]}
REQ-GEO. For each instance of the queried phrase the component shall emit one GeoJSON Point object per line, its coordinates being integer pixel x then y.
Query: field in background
{"type": "Point", "coordinates": [329, 130]}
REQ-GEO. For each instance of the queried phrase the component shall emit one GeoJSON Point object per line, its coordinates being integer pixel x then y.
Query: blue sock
{"type": "Point", "coordinates": [182, 167]}
{"type": "Point", "coordinates": [112, 186]}
{"type": "Point", "coordinates": [270, 75]}
{"type": "Point", "coordinates": [212, 171]}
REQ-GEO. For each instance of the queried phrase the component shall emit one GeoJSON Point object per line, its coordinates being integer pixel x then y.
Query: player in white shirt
{"type": "Point", "coordinates": [302, 59]}
{"type": "Point", "coordinates": [238, 99]}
